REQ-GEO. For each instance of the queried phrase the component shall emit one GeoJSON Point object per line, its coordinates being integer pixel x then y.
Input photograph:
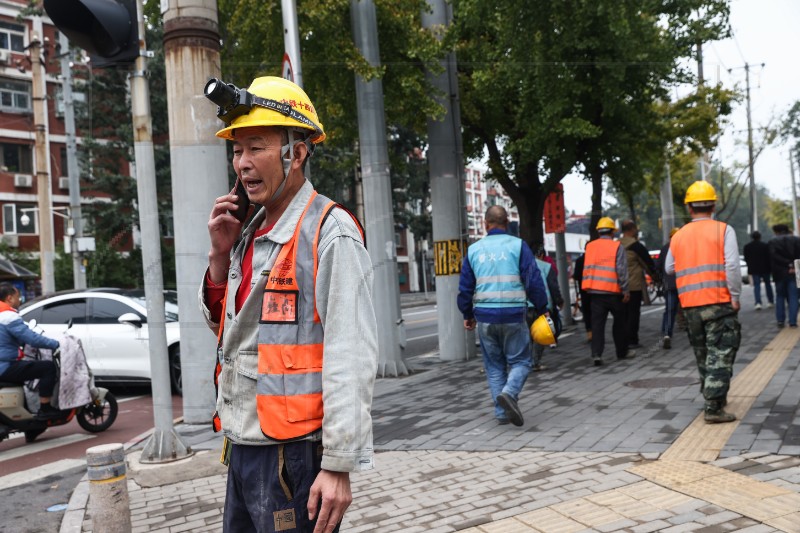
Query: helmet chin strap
{"type": "Point", "coordinates": [287, 164]}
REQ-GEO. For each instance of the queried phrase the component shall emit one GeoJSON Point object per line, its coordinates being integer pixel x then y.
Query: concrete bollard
{"type": "Point", "coordinates": [108, 489]}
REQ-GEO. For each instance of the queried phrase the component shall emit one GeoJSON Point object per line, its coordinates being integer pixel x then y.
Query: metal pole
{"type": "Point", "coordinates": [563, 276]}
{"type": "Point", "coordinates": [446, 167]}
{"type": "Point", "coordinates": [78, 269]}
{"type": "Point", "coordinates": [753, 202]}
{"type": "Point", "coordinates": [164, 444]}
{"type": "Point", "coordinates": [377, 188]}
{"type": "Point", "coordinates": [43, 184]}
{"type": "Point", "coordinates": [291, 38]}
{"type": "Point", "coordinates": [667, 208]}
{"type": "Point", "coordinates": [198, 163]}
{"type": "Point", "coordinates": [794, 195]}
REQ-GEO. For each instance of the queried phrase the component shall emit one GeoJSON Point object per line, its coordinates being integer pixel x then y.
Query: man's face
{"type": "Point", "coordinates": [257, 161]}
{"type": "Point", "coordinates": [13, 300]}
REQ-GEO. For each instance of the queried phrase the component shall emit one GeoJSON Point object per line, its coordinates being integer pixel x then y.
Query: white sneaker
{"type": "Point", "coordinates": [770, 305]}
{"type": "Point", "coordinates": [758, 307]}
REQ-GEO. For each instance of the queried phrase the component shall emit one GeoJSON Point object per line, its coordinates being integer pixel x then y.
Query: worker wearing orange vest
{"type": "Point", "coordinates": [605, 277]}
{"type": "Point", "coordinates": [704, 256]}
{"type": "Point", "coordinates": [289, 297]}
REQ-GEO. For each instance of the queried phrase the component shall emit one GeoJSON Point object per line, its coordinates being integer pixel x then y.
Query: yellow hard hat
{"type": "Point", "coordinates": [543, 331]}
{"type": "Point", "coordinates": [606, 223]}
{"type": "Point", "coordinates": [278, 102]}
{"type": "Point", "coordinates": [700, 193]}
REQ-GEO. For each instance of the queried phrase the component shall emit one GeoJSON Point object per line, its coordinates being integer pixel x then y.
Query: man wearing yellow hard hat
{"type": "Point", "coordinates": [288, 294]}
{"type": "Point", "coordinates": [605, 277]}
{"type": "Point", "coordinates": [704, 256]}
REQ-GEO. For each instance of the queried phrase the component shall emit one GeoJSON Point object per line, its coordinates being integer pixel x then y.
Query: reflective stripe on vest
{"type": "Point", "coordinates": [495, 262]}
{"type": "Point", "coordinates": [699, 252]}
{"type": "Point", "coordinates": [600, 266]}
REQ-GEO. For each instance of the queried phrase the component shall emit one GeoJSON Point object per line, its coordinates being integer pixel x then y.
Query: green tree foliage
{"type": "Point", "coordinates": [106, 119]}
{"type": "Point", "coordinates": [551, 87]}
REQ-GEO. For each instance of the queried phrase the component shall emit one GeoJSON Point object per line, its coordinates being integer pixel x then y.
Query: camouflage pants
{"type": "Point", "coordinates": [714, 333]}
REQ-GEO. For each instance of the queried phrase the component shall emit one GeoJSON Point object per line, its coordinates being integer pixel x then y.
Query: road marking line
{"type": "Point", "coordinates": [32, 474]}
{"type": "Point", "coordinates": [429, 311]}
{"type": "Point", "coordinates": [121, 400]}
{"type": "Point", "coordinates": [41, 446]}
{"type": "Point", "coordinates": [422, 337]}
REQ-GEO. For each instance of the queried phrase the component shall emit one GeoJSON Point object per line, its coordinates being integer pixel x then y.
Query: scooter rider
{"type": "Point", "coordinates": [15, 333]}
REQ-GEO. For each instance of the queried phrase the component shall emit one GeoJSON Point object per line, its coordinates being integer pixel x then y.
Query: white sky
{"type": "Point", "coordinates": [764, 31]}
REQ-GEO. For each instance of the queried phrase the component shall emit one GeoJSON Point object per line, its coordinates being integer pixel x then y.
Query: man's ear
{"type": "Point", "coordinates": [300, 153]}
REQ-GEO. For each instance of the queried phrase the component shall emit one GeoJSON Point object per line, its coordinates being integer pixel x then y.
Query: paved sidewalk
{"type": "Point", "coordinates": [614, 448]}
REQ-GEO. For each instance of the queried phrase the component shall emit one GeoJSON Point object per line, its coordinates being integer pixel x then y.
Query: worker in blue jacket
{"type": "Point", "coordinates": [498, 277]}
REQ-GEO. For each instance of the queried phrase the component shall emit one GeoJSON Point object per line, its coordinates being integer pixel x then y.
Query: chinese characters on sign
{"type": "Point", "coordinates": [448, 256]}
{"type": "Point", "coordinates": [554, 215]}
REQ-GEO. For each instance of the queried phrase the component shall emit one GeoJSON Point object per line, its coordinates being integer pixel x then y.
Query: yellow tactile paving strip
{"type": "Point", "coordinates": [703, 442]}
{"type": "Point", "coordinates": [680, 474]}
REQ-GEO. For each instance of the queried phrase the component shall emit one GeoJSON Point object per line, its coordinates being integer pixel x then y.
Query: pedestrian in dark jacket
{"type": "Point", "coordinates": [756, 255]}
{"type": "Point", "coordinates": [784, 248]}
{"type": "Point", "coordinates": [670, 295]}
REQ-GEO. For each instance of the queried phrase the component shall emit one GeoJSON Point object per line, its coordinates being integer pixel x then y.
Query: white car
{"type": "Point", "coordinates": [112, 326]}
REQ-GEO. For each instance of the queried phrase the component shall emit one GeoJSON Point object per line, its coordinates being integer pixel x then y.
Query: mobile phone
{"type": "Point", "coordinates": [242, 203]}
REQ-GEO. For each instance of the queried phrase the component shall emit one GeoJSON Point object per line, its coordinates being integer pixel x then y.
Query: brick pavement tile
{"type": "Point", "coordinates": [649, 527]}
{"type": "Point", "coordinates": [188, 526]}
{"type": "Point", "coordinates": [682, 528]}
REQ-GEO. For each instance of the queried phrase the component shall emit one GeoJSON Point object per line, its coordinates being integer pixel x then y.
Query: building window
{"type": "Point", "coordinates": [12, 223]}
{"type": "Point", "coordinates": [16, 158]}
{"type": "Point", "coordinates": [15, 96]}
{"type": "Point", "coordinates": [12, 37]}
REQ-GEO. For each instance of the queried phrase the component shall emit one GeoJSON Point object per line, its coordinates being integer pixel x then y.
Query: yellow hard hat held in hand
{"type": "Point", "coordinates": [543, 331]}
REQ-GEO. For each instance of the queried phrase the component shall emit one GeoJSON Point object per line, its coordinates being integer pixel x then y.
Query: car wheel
{"type": "Point", "coordinates": [175, 375]}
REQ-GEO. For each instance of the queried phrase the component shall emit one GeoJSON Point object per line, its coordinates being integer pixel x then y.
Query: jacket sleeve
{"type": "Point", "coordinates": [532, 279]}
{"type": "Point", "coordinates": [639, 249]}
{"type": "Point", "coordinates": [466, 290]}
{"type": "Point", "coordinates": [555, 290]}
{"type": "Point", "coordinates": [25, 335]}
{"type": "Point", "coordinates": [350, 345]}
{"type": "Point", "coordinates": [622, 268]}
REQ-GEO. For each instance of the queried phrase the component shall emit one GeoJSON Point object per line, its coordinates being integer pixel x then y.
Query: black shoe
{"type": "Point", "coordinates": [47, 412]}
{"type": "Point", "coordinates": [502, 421]}
{"type": "Point", "coordinates": [634, 345]}
{"type": "Point", "coordinates": [598, 361]}
{"type": "Point", "coordinates": [512, 409]}
{"type": "Point", "coordinates": [780, 325]}
{"type": "Point", "coordinates": [719, 417]}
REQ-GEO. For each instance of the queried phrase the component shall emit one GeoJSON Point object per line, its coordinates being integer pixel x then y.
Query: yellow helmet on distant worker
{"type": "Point", "coordinates": [606, 223]}
{"type": "Point", "coordinates": [700, 193]}
{"type": "Point", "coordinates": [543, 331]}
{"type": "Point", "coordinates": [673, 231]}
{"type": "Point", "coordinates": [285, 104]}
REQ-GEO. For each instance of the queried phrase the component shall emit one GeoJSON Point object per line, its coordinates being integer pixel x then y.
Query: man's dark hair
{"type": "Point", "coordinates": [6, 290]}
{"type": "Point", "coordinates": [496, 215]}
{"type": "Point", "coordinates": [780, 229]}
{"type": "Point", "coordinates": [627, 225]}
{"type": "Point", "coordinates": [756, 235]}
{"type": "Point", "coordinates": [703, 209]}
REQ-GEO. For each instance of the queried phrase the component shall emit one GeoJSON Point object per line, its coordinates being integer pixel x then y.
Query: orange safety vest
{"type": "Point", "coordinates": [289, 381]}
{"type": "Point", "coordinates": [699, 252]}
{"type": "Point", "coordinates": [600, 266]}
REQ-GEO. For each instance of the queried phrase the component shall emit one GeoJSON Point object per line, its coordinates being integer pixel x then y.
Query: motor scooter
{"type": "Point", "coordinates": [18, 410]}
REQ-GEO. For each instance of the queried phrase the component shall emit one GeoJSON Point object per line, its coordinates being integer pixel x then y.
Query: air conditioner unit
{"type": "Point", "coordinates": [5, 57]}
{"type": "Point", "coordinates": [63, 183]}
{"type": "Point", "coordinates": [23, 180]}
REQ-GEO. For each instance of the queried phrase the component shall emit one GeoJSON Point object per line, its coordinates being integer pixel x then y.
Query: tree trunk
{"type": "Point", "coordinates": [596, 176]}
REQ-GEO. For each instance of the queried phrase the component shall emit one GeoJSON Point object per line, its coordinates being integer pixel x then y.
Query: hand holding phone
{"type": "Point", "coordinates": [242, 202]}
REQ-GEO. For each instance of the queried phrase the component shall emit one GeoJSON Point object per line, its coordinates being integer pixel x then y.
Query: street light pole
{"type": "Point", "coordinates": [43, 185]}
{"type": "Point", "coordinates": [164, 444]}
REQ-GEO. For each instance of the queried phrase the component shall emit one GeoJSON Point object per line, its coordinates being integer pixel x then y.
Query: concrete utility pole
{"type": "Point", "coordinates": [78, 270]}
{"type": "Point", "coordinates": [43, 185]}
{"type": "Point", "coordinates": [164, 444]}
{"type": "Point", "coordinates": [379, 220]}
{"type": "Point", "coordinates": [750, 161]}
{"type": "Point", "coordinates": [446, 168]}
{"type": "Point", "coordinates": [700, 82]}
{"type": "Point", "coordinates": [667, 208]}
{"type": "Point", "coordinates": [794, 195]}
{"type": "Point", "coordinates": [198, 162]}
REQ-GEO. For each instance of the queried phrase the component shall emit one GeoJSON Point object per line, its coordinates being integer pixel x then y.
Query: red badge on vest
{"type": "Point", "coordinates": [279, 307]}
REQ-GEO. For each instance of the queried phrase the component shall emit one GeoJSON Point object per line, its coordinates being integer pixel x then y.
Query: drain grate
{"type": "Point", "coordinates": [661, 383]}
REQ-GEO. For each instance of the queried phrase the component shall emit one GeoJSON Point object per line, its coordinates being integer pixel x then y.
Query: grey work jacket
{"type": "Point", "coordinates": [350, 347]}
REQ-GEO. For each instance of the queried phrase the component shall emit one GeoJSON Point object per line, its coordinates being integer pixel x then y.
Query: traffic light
{"type": "Point", "coordinates": [107, 29]}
